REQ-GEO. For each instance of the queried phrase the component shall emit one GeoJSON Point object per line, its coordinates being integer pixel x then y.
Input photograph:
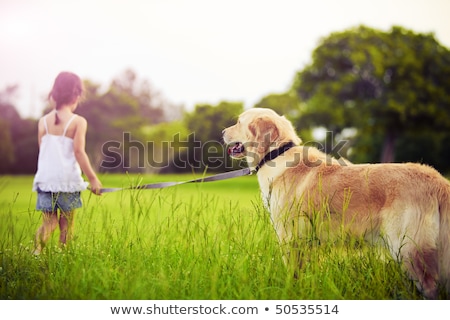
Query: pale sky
{"type": "Point", "coordinates": [192, 51]}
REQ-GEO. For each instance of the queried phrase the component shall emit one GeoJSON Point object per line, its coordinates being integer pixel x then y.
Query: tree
{"type": "Point", "coordinates": [206, 123]}
{"type": "Point", "coordinates": [153, 107]}
{"type": "Point", "coordinates": [117, 118]}
{"type": "Point", "coordinates": [6, 147]}
{"type": "Point", "coordinates": [9, 126]}
{"type": "Point", "coordinates": [384, 84]}
{"type": "Point", "coordinates": [110, 116]}
{"type": "Point", "coordinates": [286, 104]}
{"type": "Point", "coordinates": [160, 143]}
{"type": "Point", "coordinates": [18, 137]}
{"type": "Point", "coordinates": [26, 147]}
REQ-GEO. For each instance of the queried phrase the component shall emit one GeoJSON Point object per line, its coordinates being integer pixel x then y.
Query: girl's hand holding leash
{"type": "Point", "coordinates": [96, 187]}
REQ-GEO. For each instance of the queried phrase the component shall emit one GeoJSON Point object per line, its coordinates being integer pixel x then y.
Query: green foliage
{"type": "Point", "coordinates": [141, 95]}
{"type": "Point", "coordinates": [109, 116]}
{"type": "Point", "coordinates": [206, 123]}
{"type": "Point", "coordinates": [26, 146]}
{"type": "Point", "coordinates": [385, 84]}
{"type": "Point", "coordinates": [159, 139]}
{"type": "Point", "coordinates": [18, 141]}
{"type": "Point", "coordinates": [286, 104]}
{"type": "Point", "coordinates": [6, 147]}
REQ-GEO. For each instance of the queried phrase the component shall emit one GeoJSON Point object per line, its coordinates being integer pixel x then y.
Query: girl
{"type": "Point", "coordinates": [62, 158]}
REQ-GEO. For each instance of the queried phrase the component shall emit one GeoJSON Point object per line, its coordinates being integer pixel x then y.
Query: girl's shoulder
{"type": "Point", "coordinates": [79, 124]}
{"type": "Point", "coordinates": [80, 120]}
{"type": "Point", "coordinates": [46, 117]}
{"type": "Point", "coordinates": [41, 121]}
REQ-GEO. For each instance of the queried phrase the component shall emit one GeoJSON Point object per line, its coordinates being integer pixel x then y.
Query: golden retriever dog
{"type": "Point", "coordinates": [406, 207]}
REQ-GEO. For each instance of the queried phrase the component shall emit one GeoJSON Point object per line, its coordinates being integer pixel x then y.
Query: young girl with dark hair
{"type": "Point", "coordinates": [62, 159]}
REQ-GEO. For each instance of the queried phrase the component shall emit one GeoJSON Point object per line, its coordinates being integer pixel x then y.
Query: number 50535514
{"type": "Point", "coordinates": [306, 309]}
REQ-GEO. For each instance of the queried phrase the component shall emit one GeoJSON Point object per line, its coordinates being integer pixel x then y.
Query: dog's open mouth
{"type": "Point", "coordinates": [236, 150]}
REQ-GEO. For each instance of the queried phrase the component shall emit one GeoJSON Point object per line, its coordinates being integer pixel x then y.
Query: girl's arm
{"type": "Point", "coordinates": [79, 143]}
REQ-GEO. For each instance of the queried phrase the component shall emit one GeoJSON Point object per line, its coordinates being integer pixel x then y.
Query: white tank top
{"type": "Point", "coordinates": [58, 169]}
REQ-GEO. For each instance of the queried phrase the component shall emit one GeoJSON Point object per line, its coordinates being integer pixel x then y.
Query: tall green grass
{"type": "Point", "coordinates": [194, 241]}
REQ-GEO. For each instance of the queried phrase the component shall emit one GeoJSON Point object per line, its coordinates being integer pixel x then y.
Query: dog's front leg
{"type": "Point", "coordinates": [289, 230]}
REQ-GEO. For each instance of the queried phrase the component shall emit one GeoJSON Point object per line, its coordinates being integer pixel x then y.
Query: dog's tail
{"type": "Point", "coordinates": [444, 239]}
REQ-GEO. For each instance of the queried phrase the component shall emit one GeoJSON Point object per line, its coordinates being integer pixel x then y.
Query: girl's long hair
{"type": "Point", "coordinates": [66, 89]}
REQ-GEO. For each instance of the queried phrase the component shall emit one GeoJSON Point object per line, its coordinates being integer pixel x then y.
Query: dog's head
{"type": "Point", "coordinates": [256, 133]}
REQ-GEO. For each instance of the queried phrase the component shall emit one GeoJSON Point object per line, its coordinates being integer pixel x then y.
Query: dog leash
{"type": "Point", "coordinates": [160, 185]}
{"type": "Point", "coordinates": [221, 176]}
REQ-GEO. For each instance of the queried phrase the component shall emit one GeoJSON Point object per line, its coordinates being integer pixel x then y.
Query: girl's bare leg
{"type": "Point", "coordinates": [66, 226]}
{"type": "Point", "coordinates": [49, 224]}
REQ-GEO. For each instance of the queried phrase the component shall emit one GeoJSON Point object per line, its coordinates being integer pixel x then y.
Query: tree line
{"type": "Point", "coordinates": [386, 93]}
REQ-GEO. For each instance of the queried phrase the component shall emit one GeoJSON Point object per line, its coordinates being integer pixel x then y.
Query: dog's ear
{"type": "Point", "coordinates": [265, 132]}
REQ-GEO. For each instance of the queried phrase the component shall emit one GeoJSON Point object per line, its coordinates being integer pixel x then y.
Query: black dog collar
{"type": "Point", "coordinates": [274, 153]}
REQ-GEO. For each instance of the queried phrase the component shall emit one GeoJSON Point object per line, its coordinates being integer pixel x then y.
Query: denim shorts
{"type": "Point", "coordinates": [64, 201]}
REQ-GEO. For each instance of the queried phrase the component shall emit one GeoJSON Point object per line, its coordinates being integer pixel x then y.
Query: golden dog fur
{"type": "Point", "coordinates": [406, 206]}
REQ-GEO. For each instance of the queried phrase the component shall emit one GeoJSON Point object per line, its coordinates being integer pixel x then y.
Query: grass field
{"type": "Point", "coordinates": [194, 241]}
